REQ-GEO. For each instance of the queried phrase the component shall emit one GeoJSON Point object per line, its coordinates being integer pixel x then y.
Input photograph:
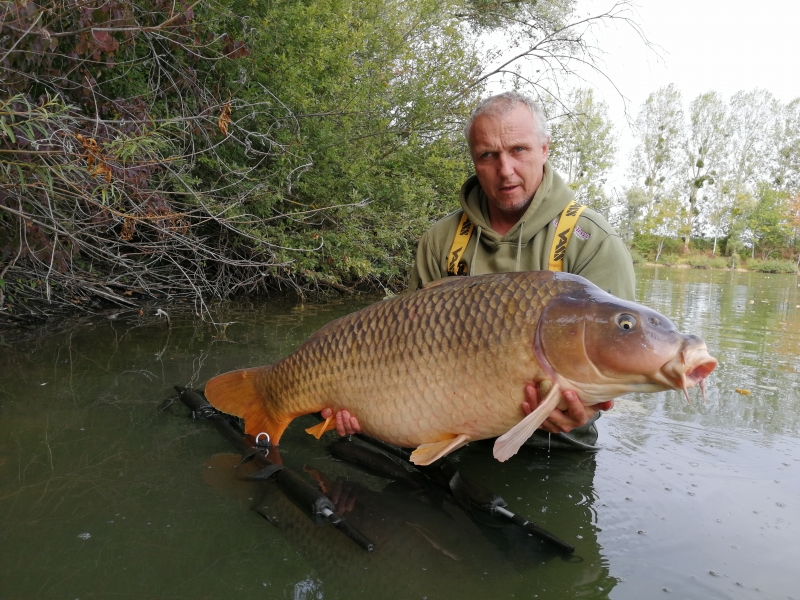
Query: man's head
{"type": "Point", "coordinates": [509, 143]}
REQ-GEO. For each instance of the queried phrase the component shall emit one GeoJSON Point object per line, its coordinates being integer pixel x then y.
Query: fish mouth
{"type": "Point", "coordinates": [700, 372]}
{"type": "Point", "coordinates": [689, 368]}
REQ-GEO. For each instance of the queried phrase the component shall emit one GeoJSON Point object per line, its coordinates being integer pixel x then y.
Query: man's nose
{"type": "Point", "coordinates": [505, 165]}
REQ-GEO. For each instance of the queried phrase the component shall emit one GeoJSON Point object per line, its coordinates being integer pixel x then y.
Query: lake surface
{"type": "Point", "coordinates": [108, 491]}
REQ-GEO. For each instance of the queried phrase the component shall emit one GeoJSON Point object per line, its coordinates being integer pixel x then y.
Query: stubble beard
{"type": "Point", "coordinates": [512, 209]}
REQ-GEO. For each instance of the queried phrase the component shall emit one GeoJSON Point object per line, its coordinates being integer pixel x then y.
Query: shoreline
{"type": "Point", "coordinates": [23, 316]}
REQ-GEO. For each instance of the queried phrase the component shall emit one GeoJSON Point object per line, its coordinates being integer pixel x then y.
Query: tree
{"type": "Point", "coordinates": [769, 220]}
{"type": "Point", "coordinates": [199, 150]}
{"type": "Point", "coordinates": [584, 147]}
{"type": "Point", "coordinates": [703, 155]}
{"type": "Point", "coordinates": [656, 158]}
{"type": "Point", "coordinates": [786, 171]}
{"type": "Point", "coordinates": [793, 213]}
{"type": "Point", "coordinates": [751, 151]}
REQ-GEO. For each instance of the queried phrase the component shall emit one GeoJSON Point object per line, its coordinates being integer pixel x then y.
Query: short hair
{"type": "Point", "coordinates": [502, 104]}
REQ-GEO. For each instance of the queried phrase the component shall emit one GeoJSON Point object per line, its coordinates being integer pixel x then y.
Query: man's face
{"type": "Point", "coordinates": [509, 159]}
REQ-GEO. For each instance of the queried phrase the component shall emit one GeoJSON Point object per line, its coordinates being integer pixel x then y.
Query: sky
{"type": "Point", "coordinates": [701, 45]}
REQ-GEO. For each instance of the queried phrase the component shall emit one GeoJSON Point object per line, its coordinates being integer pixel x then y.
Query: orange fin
{"type": "Point", "coordinates": [320, 428]}
{"type": "Point", "coordinates": [238, 393]}
{"type": "Point", "coordinates": [427, 453]}
{"type": "Point", "coordinates": [510, 442]}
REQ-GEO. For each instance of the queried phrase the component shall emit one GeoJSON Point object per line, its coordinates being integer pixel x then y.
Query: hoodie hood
{"type": "Point", "coordinates": [550, 199]}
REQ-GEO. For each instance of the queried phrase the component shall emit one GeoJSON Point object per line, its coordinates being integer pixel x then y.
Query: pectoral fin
{"type": "Point", "coordinates": [427, 453]}
{"type": "Point", "coordinates": [326, 425]}
{"type": "Point", "coordinates": [510, 442]}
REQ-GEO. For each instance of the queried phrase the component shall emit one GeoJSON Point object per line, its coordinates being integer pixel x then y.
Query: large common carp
{"type": "Point", "coordinates": [447, 364]}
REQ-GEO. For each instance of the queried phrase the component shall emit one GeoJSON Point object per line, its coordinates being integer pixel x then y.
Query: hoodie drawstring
{"type": "Point", "coordinates": [519, 246]}
{"type": "Point", "coordinates": [475, 252]}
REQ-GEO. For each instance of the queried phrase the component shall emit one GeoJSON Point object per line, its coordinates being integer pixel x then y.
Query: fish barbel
{"type": "Point", "coordinates": [445, 365]}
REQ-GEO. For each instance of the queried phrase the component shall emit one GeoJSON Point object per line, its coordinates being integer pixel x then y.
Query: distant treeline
{"type": "Point", "coordinates": [727, 171]}
{"type": "Point", "coordinates": [722, 178]}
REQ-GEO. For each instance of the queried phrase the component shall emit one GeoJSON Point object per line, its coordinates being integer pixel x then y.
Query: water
{"type": "Point", "coordinates": [104, 493]}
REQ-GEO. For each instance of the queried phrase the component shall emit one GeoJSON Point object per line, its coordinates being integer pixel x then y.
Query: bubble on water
{"type": "Point", "coordinates": [84, 536]}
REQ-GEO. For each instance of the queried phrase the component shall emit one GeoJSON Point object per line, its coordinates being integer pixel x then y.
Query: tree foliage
{"type": "Point", "coordinates": [198, 150]}
{"type": "Point", "coordinates": [584, 147]}
{"type": "Point", "coordinates": [702, 157]}
{"type": "Point", "coordinates": [729, 171]}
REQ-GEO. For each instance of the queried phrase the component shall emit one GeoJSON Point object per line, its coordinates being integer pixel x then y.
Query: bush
{"type": "Point", "coordinates": [707, 262]}
{"type": "Point", "coordinates": [637, 258]}
{"type": "Point", "coordinates": [669, 260]}
{"type": "Point", "coordinates": [772, 266]}
{"type": "Point", "coordinates": [647, 245]}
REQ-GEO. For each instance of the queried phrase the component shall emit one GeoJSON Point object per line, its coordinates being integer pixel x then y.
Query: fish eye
{"type": "Point", "coordinates": [626, 321]}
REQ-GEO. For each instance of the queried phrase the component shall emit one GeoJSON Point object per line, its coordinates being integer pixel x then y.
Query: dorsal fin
{"type": "Point", "coordinates": [440, 282]}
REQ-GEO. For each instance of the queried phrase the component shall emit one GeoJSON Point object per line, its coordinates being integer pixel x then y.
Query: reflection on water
{"type": "Point", "coordinates": [102, 494]}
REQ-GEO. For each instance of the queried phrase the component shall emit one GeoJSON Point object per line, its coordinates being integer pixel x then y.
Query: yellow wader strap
{"type": "Point", "coordinates": [566, 225]}
{"type": "Point", "coordinates": [460, 242]}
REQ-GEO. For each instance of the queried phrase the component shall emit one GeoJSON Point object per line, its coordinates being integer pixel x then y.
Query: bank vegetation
{"type": "Point", "coordinates": [179, 150]}
{"type": "Point", "coordinates": [197, 150]}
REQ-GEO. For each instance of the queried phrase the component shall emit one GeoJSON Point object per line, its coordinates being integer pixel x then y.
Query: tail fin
{"type": "Point", "coordinates": [239, 393]}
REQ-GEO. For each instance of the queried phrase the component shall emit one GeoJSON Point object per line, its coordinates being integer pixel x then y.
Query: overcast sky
{"type": "Point", "coordinates": [704, 45]}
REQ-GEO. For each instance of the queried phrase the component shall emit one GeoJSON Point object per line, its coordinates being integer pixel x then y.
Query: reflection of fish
{"type": "Point", "coordinates": [447, 364]}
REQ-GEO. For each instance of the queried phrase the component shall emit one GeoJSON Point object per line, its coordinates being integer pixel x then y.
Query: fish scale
{"type": "Point", "coordinates": [448, 364]}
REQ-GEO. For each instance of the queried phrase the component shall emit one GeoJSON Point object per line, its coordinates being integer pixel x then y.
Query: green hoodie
{"type": "Point", "coordinates": [595, 251]}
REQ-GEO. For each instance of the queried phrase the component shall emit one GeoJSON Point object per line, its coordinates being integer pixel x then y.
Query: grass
{"type": "Point", "coordinates": [772, 266]}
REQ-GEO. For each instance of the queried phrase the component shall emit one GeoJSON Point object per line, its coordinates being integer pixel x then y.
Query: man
{"type": "Point", "coordinates": [514, 203]}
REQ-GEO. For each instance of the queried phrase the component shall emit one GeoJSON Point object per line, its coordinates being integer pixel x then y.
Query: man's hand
{"type": "Point", "coordinates": [346, 424]}
{"type": "Point", "coordinates": [575, 415]}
